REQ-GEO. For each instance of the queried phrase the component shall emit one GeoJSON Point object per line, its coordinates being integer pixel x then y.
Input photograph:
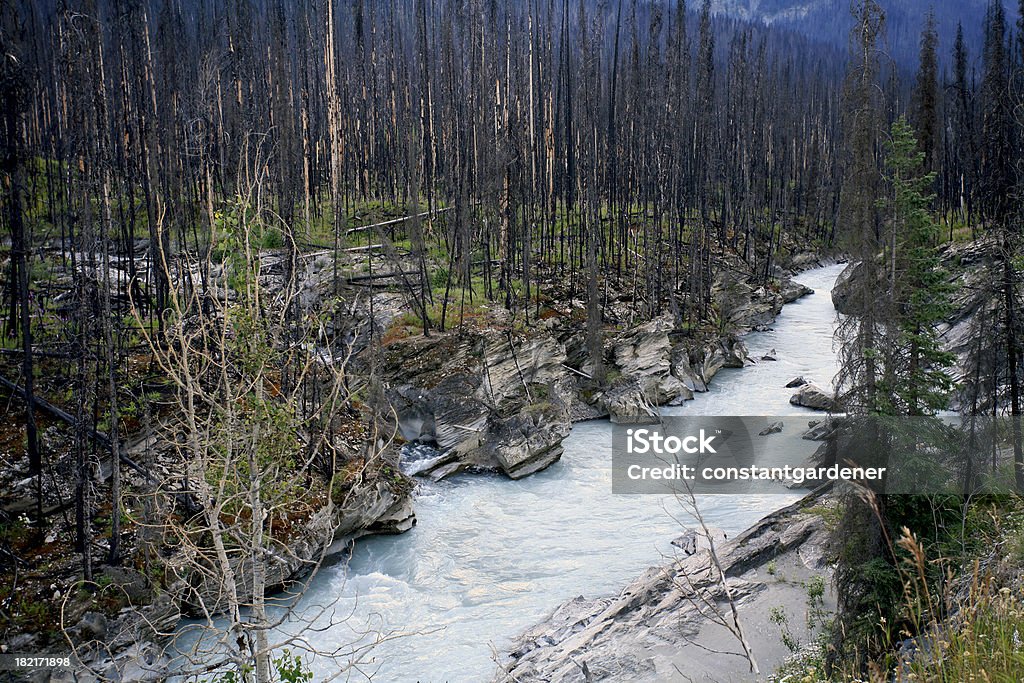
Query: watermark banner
{"type": "Point", "coordinates": [764, 455]}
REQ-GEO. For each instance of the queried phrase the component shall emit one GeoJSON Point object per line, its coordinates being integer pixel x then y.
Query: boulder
{"type": "Point", "coordinates": [819, 430]}
{"type": "Point", "coordinates": [744, 305]}
{"type": "Point", "coordinates": [652, 372]}
{"type": "Point", "coordinates": [735, 353]}
{"type": "Point", "coordinates": [760, 311]}
{"type": "Point", "coordinates": [814, 397]}
{"type": "Point", "coordinates": [672, 386]}
{"type": "Point", "coordinates": [398, 519]}
{"type": "Point", "coordinates": [668, 390]}
{"type": "Point", "coordinates": [841, 289]}
{"type": "Point", "coordinates": [687, 542]}
{"type": "Point", "coordinates": [142, 662]}
{"type": "Point", "coordinates": [466, 394]}
{"type": "Point", "coordinates": [796, 382]}
{"type": "Point", "coordinates": [92, 626]}
{"type": "Point", "coordinates": [364, 505]}
{"type": "Point", "coordinates": [713, 361]}
{"type": "Point", "coordinates": [771, 355]}
{"type": "Point", "coordinates": [729, 352]}
{"type": "Point", "coordinates": [450, 467]}
{"type": "Point", "coordinates": [791, 291]}
{"type": "Point", "coordinates": [691, 541]}
{"type": "Point", "coordinates": [773, 428]}
{"type": "Point", "coordinates": [630, 402]}
{"type": "Point", "coordinates": [800, 260]}
{"type": "Point", "coordinates": [645, 350]}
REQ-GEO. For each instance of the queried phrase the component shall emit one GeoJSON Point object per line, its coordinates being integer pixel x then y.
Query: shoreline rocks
{"type": "Point", "coordinates": [658, 626]}
{"type": "Point", "coordinates": [530, 441]}
{"type": "Point", "coordinates": [747, 306]}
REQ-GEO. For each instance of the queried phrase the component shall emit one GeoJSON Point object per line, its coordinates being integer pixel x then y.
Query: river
{"type": "Point", "coordinates": [489, 556]}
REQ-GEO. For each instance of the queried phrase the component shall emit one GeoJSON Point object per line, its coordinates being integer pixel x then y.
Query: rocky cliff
{"type": "Point", "coordinates": [502, 400]}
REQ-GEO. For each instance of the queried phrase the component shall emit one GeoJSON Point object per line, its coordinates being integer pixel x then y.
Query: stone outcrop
{"type": "Point", "coordinates": [820, 430]}
{"type": "Point", "coordinates": [530, 440]}
{"type": "Point", "coordinates": [631, 401]}
{"type": "Point", "coordinates": [643, 360]}
{"type": "Point", "coordinates": [792, 290]}
{"type": "Point", "coordinates": [653, 371]}
{"type": "Point", "coordinates": [844, 290]}
{"type": "Point", "coordinates": [683, 368]}
{"type": "Point", "coordinates": [488, 400]}
{"type": "Point", "coordinates": [658, 627]}
{"type": "Point", "coordinates": [843, 287]}
{"type": "Point", "coordinates": [974, 305]}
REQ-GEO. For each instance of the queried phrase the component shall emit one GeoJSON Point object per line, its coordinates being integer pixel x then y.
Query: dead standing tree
{"type": "Point", "coordinates": [261, 462]}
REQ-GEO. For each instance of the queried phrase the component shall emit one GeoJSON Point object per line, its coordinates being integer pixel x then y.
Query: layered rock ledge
{"type": "Point", "coordinates": [663, 625]}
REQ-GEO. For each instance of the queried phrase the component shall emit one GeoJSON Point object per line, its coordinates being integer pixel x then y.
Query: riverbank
{"type": "Point", "coordinates": [675, 621]}
{"type": "Point", "coordinates": [490, 556]}
{"type": "Point", "coordinates": [507, 401]}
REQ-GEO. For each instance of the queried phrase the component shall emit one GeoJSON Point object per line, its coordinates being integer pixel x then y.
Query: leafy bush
{"type": "Point", "coordinates": [287, 668]}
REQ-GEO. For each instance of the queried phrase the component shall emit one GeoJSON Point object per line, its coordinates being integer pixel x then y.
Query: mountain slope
{"type": "Point", "coordinates": [830, 20]}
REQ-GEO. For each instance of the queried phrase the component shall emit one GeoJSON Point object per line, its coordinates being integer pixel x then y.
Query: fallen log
{"type": "Point", "coordinates": [38, 353]}
{"type": "Point", "coordinates": [381, 276]}
{"type": "Point", "coordinates": [186, 499]}
{"type": "Point", "coordinates": [96, 435]}
{"type": "Point", "coordinates": [368, 247]}
{"type": "Point", "coordinates": [395, 221]}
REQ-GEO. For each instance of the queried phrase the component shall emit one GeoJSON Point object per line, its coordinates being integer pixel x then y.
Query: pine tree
{"type": "Point", "coordinates": [863, 336]}
{"type": "Point", "coordinates": [921, 384]}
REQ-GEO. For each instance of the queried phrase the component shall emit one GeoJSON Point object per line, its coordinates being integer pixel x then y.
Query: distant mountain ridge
{"type": "Point", "coordinates": [830, 20]}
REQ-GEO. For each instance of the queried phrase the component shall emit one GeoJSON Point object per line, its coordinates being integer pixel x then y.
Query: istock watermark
{"type": "Point", "coordinates": [644, 440]}
{"type": "Point", "coordinates": [764, 455]}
